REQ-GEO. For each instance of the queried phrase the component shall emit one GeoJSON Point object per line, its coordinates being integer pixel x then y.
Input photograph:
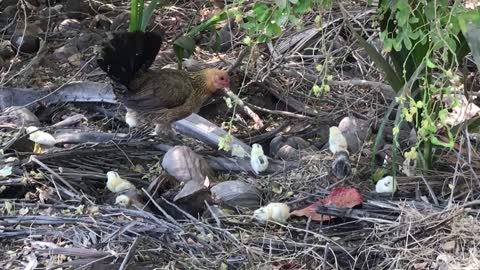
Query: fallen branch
{"type": "Point", "coordinates": [284, 113]}
{"type": "Point", "coordinates": [201, 129]}
{"type": "Point", "coordinates": [194, 125]}
{"type": "Point", "coordinates": [258, 122]}
{"type": "Point", "coordinates": [72, 92]}
{"type": "Point", "coordinates": [386, 89]}
{"type": "Point", "coordinates": [273, 87]}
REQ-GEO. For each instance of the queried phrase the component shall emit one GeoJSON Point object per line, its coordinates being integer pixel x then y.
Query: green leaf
{"type": "Point", "coordinates": [148, 14]}
{"type": "Point", "coordinates": [263, 38]}
{"type": "Point", "coordinates": [429, 10]}
{"type": "Point", "coordinates": [294, 20]}
{"type": "Point", "coordinates": [378, 174]}
{"type": "Point", "coordinates": [402, 5]}
{"type": "Point", "coordinates": [279, 16]}
{"type": "Point", "coordinates": [474, 124]}
{"type": "Point", "coordinates": [430, 64]}
{"type": "Point", "coordinates": [249, 25]}
{"type": "Point", "coordinates": [450, 144]}
{"type": "Point", "coordinates": [408, 43]}
{"type": "Point", "coordinates": [302, 6]}
{"type": "Point", "coordinates": [402, 17]}
{"type": "Point", "coordinates": [183, 47]}
{"type": "Point", "coordinates": [392, 77]}
{"type": "Point", "coordinates": [405, 89]}
{"type": "Point", "coordinates": [248, 41]}
{"type": "Point", "coordinates": [261, 11]}
{"type": "Point", "coordinates": [218, 42]}
{"type": "Point", "coordinates": [273, 29]}
{"type": "Point", "coordinates": [442, 115]}
{"type": "Point", "coordinates": [281, 3]}
{"type": "Point", "coordinates": [316, 90]}
{"type": "Point", "coordinates": [397, 44]}
{"type": "Point", "coordinates": [396, 145]}
{"type": "Point", "coordinates": [224, 142]}
{"type": "Point", "coordinates": [224, 15]}
{"type": "Point", "coordinates": [140, 14]}
{"type": "Point", "coordinates": [136, 8]}
{"type": "Point", "coordinates": [470, 26]}
{"type": "Point", "coordinates": [452, 44]}
{"type": "Point", "coordinates": [185, 42]}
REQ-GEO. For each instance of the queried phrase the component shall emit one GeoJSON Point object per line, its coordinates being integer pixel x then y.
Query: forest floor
{"type": "Point", "coordinates": [57, 213]}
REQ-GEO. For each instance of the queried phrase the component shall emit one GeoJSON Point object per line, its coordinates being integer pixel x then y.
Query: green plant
{"type": "Point", "coordinates": [422, 38]}
{"type": "Point", "coordinates": [184, 46]}
{"type": "Point", "coordinates": [139, 17]}
{"type": "Point", "coordinates": [265, 20]}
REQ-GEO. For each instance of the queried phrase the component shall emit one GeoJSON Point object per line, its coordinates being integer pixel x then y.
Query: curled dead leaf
{"type": "Point", "coordinates": [189, 168]}
{"type": "Point", "coordinates": [340, 197]}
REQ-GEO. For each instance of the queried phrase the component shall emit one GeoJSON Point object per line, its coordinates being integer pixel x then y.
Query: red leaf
{"type": "Point", "coordinates": [340, 197]}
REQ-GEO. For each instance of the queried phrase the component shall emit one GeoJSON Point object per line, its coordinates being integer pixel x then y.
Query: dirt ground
{"type": "Point", "coordinates": [56, 212]}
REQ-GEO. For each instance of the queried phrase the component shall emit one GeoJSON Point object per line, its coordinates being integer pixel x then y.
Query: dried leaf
{"type": "Point", "coordinates": [137, 168]}
{"type": "Point", "coordinates": [23, 211]}
{"type": "Point", "coordinates": [185, 165]}
{"type": "Point", "coordinates": [459, 114]}
{"type": "Point", "coordinates": [75, 59]}
{"type": "Point", "coordinates": [188, 167]}
{"type": "Point", "coordinates": [236, 194]}
{"type": "Point", "coordinates": [449, 246]}
{"type": "Point", "coordinates": [277, 188]}
{"type": "Point", "coordinates": [32, 262]}
{"type": "Point", "coordinates": [8, 207]}
{"type": "Point", "coordinates": [207, 182]}
{"type": "Point", "coordinates": [420, 266]}
{"type": "Point", "coordinates": [341, 197]}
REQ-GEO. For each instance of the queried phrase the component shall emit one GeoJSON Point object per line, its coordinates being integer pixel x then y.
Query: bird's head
{"type": "Point", "coordinates": [123, 200]}
{"type": "Point", "coordinates": [334, 131]}
{"type": "Point", "coordinates": [217, 79]}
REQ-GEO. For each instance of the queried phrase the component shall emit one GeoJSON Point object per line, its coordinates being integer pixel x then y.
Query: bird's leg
{"type": "Point", "coordinates": [165, 130]}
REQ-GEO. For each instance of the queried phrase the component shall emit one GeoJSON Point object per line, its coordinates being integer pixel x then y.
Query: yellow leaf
{"type": "Point", "coordinates": [277, 188]}
{"type": "Point", "coordinates": [137, 168]}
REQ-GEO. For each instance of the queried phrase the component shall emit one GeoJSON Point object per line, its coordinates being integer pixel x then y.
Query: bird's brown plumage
{"type": "Point", "coordinates": [167, 95]}
{"type": "Point", "coordinates": [160, 96]}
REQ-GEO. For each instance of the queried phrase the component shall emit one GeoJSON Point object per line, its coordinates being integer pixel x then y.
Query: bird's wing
{"type": "Point", "coordinates": [159, 89]}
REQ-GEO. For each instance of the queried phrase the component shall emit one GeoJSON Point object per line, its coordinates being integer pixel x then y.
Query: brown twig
{"type": "Point", "coordinates": [130, 253]}
{"type": "Point", "coordinates": [76, 194]}
{"type": "Point", "coordinates": [258, 121]}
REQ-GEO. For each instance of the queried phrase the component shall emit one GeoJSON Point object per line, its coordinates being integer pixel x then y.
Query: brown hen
{"type": "Point", "coordinates": [159, 96]}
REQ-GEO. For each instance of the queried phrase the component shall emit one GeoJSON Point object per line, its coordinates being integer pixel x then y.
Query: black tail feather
{"type": "Point", "coordinates": [127, 53]}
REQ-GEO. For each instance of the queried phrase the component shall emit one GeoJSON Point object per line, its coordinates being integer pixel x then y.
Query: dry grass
{"type": "Point", "coordinates": [56, 212]}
